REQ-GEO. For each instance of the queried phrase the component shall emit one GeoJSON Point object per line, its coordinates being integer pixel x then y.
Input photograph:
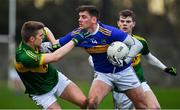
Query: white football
{"type": "Point", "coordinates": [117, 49]}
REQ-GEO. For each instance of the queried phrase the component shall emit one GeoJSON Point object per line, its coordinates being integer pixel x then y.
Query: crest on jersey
{"type": "Point", "coordinates": [103, 41]}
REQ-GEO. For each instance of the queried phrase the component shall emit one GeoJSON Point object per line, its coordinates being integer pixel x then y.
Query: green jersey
{"type": "Point", "coordinates": [136, 62]}
{"type": "Point", "coordinates": [37, 77]}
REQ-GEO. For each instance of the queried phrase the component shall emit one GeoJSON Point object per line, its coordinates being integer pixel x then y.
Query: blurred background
{"type": "Point", "coordinates": [156, 20]}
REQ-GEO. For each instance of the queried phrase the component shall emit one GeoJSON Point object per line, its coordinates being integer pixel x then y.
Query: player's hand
{"type": "Point", "coordinates": [55, 47]}
{"type": "Point", "coordinates": [83, 34]}
{"type": "Point", "coordinates": [117, 62]}
{"type": "Point", "coordinates": [171, 71]}
{"type": "Point", "coordinates": [47, 47]}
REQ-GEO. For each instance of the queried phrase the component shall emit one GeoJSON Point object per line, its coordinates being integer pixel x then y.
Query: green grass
{"type": "Point", "coordinates": [169, 98]}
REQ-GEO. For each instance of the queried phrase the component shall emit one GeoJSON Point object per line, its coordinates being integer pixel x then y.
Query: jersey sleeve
{"type": "Point", "coordinates": [145, 49]}
{"type": "Point", "coordinates": [143, 41]}
{"type": "Point", "coordinates": [31, 60]}
{"type": "Point", "coordinates": [118, 35]}
{"type": "Point", "coordinates": [65, 39]}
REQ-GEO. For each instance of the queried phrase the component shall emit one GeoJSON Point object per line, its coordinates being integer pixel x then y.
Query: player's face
{"type": "Point", "coordinates": [38, 38]}
{"type": "Point", "coordinates": [86, 20]}
{"type": "Point", "coordinates": [126, 24]}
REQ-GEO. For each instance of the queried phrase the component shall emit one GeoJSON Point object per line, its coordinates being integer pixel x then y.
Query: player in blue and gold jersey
{"type": "Point", "coordinates": [118, 75]}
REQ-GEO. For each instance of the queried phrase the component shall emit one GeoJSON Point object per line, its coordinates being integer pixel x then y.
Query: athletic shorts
{"type": "Point", "coordinates": [121, 101]}
{"type": "Point", "coordinates": [122, 80]}
{"type": "Point", "coordinates": [13, 75]}
{"type": "Point", "coordinates": [45, 100]}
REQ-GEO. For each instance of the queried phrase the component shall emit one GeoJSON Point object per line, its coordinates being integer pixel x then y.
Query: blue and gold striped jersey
{"type": "Point", "coordinates": [96, 45]}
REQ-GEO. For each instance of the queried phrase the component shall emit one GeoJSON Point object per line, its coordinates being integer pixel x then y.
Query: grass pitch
{"type": "Point", "coordinates": [169, 98]}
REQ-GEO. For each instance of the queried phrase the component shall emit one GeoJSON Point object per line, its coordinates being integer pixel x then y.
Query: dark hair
{"type": "Point", "coordinates": [128, 13]}
{"type": "Point", "coordinates": [93, 11]}
{"type": "Point", "coordinates": [30, 28]}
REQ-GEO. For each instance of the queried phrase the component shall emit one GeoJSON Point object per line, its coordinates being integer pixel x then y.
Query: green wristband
{"type": "Point", "coordinates": [55, 46]}
{"type": "Point", "coordinates": [75, 41]}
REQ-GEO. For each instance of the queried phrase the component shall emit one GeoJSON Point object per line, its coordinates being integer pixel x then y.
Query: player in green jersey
{"type": "Point", "coordinates": [42, 81]}
{"type": "Point", "coordinates": [126, 23]}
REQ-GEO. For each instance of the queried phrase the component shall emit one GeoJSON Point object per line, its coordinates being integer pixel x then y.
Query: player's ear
{"type": "Point", "coordinates": [94, 19]}
{"type": "Point", "coordinates": [134, 23]}
{"type": "Point", "coordinates": [32, 38]}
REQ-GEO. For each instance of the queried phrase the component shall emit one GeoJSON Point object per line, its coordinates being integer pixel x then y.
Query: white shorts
{"type": "Point", "coordinates": [122, 80]}
{"type": "Point", "coordinates": [45, 100]}
{"type": "Point", "coordinates": [145, 86]}
{"type": "Point", "coordinates": [121, 101]}
{"type": "Point", "coordinates": [13, 75]}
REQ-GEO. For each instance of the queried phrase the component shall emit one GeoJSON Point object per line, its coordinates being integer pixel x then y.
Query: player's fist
{"type": "Point", "coordinates": [46, 30]}
{"type": "Point", "coordinates": [83, 34]}
{"type": "Point", "coordinates": [171, 71]}
{"type": "Point", "coordinates": [47, 47]}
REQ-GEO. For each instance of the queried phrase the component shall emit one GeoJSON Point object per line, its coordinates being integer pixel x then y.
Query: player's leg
{"type": "Point", "coordinates": [138, 97]}
{"type": "Point", "coordinates": [99, 89]}
{"type": "Point", "coordinates": [129, 83]}
{"type": "Point", "coordinates": [116, 100]}
{"type": "Point", "coordinates": [46, 101]}
{"type": "Point", "coordinates": [54, 105]}
{"type": "Point", "coordinates": [73, 94]}
{"type": "Point", "coordinates": [14, 81]}
{"type": "Point", "coordinates": [151, 99]}
{"type": "Point", "coordinates": [121, 101]}
{"type": "Point", "coordinates": [70, 91]}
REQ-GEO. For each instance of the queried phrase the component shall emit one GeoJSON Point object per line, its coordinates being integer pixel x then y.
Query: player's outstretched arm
{"type": "Point", "coordinates": [59, 53]}
{"type": "Point", "coordinates": [62, 51]}
{"type": "Point", "coordinates": [135, 47]}
{"type": "Point", "coordinates": [55, 44]}
{"type": "Point", "coordinates": [156, 62]}
{"type": "Point", "coordinates": [50, 36]}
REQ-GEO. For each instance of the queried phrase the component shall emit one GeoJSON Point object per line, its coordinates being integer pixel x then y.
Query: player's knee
{"type": "Point", "coordinates": [141, 104]}
{"type": "Point", "coordinates": [92, 103]}
{"type": "Point", "coordinates": [155, 106]}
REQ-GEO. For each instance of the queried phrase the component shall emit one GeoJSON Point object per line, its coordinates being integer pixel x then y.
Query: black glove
{"type": "Point", "coordinates": [83, 34]}
{"type": "Point", "coordinates": [171, 71]}
{"type": "Point", "coordinates": [54, 47]}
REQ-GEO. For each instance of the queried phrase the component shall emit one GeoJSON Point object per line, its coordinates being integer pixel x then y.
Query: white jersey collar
{"type": "Point", "coordinates": [97, 28]}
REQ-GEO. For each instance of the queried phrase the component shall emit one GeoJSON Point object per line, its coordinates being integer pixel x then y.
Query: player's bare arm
{"type": "Point", "coordinates": [50, 36]}
{"type": "Point", "coordinates": [59, 53]}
